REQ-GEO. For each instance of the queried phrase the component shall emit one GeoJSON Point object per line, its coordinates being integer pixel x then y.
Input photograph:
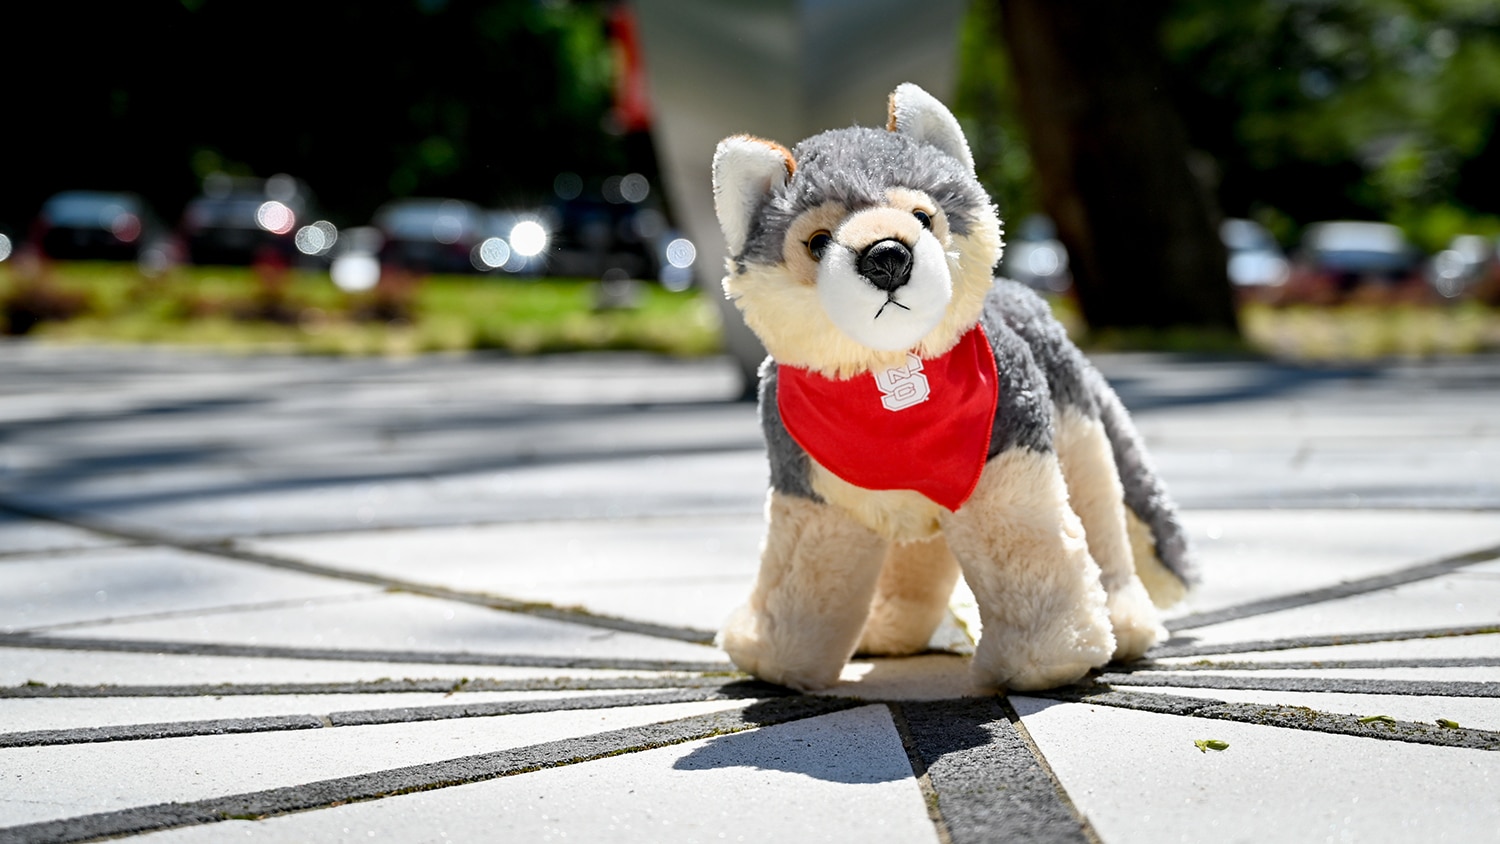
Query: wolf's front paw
{"type": "Point", "coordinates": [1018, 660]}
{"type": "Point", "coordinates": [1136, 624]}
{"type": "Point", "coordinates": [751, 642]}
{"type": "Point", "coordinates": [1034, 677]}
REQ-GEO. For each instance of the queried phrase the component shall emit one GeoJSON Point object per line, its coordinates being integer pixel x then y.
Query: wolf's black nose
{"type": "Point", "coordinates": [886, 264]}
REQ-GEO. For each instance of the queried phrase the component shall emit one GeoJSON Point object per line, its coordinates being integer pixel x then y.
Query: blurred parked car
{"type": "Point", "coordinates": [97, 225]}
{"type": "Point", "coordinates": [1035, 257]}
{"type": "Point", "coordinates": [430, 235]}
{"type": "Point", "coordinates": [241, 221]}
{"type": "Point", "coordinates": [1469, 263]}
{"type": "Point", "coordinates": [1351, 259]}
{"type": "Point", "coordinates": [1257, 265]}
{"type": "Point", "coordinates": [596, 238]}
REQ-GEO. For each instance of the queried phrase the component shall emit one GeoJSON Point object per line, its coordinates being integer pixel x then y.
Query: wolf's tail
{"type": "Point", "coordinates": [1163, 558]}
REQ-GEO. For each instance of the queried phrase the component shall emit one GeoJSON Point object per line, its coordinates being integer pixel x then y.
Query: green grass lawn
{"type": "Point", "coordinates": [233, 308]}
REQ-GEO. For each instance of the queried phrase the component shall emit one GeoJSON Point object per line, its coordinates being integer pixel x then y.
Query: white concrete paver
{"type": "Point", "coordinates": [1469, 597]}
{"type": "Point", "coordinates": [114, 583]}
{"type": "Point", "coordinates": [26, 714]}
{"type": "Point", "coordinates": [19, 666]}
{"type": "Point", "coordinates": [1138, 777]}
{"type": "Point", "coordinates": [920, 677]}
{"type": "Point", "coordinates": [1463, 674]}
{"type": "Point", "coordinates": [60, 781]}
{"type": "Point", "coordinates": [224, 502]}
{"type": "Point", "coordinates": [839, 777]}
{"type": "Point", "coordinates": [1252, 554]}
{"type": "Point", "coordinates": [402, 622]}
{"type": "Point", "coordinates": [681, 571]}
{"type": "Point", "coordinates": [1449, 647]}
{"type": "Point", "coordinates": [1469, 712]}
{"type": "Point", "coordinates": [19, 535]}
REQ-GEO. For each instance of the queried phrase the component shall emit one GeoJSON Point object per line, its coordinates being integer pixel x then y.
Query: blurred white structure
{"type": "Point", "coordinates": [778, 69]}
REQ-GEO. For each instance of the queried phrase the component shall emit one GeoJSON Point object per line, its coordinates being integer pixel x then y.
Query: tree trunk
{"type": "Point", "coordinates": [1111, 156]}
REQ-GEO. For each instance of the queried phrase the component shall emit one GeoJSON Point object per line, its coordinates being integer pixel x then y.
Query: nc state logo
{"type": "Point", "coordinates": [903, 386]}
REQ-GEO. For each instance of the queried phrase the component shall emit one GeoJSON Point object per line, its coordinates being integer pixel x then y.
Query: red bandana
{"type": "Point", "coordinates": [923, 426]}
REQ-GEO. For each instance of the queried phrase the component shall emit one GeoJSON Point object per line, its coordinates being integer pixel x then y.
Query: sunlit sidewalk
{"type": "Point", "coordinates": [474, 598]}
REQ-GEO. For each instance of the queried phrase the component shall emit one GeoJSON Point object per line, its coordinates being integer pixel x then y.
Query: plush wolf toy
{"type": "Point", "coordinates": [923, 418]}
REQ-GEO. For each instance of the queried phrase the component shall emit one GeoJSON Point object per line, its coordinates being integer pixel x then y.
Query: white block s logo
{"type": "Point", "coordinates": [903, 386]}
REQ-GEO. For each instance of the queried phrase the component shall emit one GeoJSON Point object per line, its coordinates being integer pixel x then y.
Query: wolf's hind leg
{"type": "Point", "coordinates": [1096, 495]}
{"type": "Point", "coordinates": [911, 597]}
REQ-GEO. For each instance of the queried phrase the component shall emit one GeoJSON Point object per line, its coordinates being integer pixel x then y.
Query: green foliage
{"type": "Point", "coordinates": [1344, 108]}
{"type": "Point", "coordinates": [985, 104]}
{"type": "Point", "coordinates": [476, 99]}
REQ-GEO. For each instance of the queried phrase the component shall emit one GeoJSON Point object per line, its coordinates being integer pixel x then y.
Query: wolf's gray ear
{"type": "Point", "coordinates": [745, 170]}
{"type": "Point", "coordinates": [919, 115]}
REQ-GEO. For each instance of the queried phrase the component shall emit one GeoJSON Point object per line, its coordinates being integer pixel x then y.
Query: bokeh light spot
{"type": "Point", "coordinates": [492, 253]}
{"type": "Point", "coordinates": [355, 272]}
{"type": "Point", "coordinates": [275, 217]}
{"type": "Point", "coordinates": [448, 227]}
{"type": "Point", "coordinates": [634, 188]}
{"type": "Point", "coordinates": [310, 240]}
{"type": "Point", "coordinates": [681, 253]}
{"type": "Point", "coordinates": [316, 238]}
{"type": "Point", "coordinates": [125, 227]}
{"type": "Point", "coordinates": [528, 238]}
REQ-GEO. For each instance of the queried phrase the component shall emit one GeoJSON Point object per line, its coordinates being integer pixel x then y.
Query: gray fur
{"type": "Point", "coordinates": [1023, 409]}
{"type": "Point", "coordinates": [1076, 383]}
{"type": "Point", "coordinates": [1063, 364]}
{"type": "Point", "coordinates": [1145, 494]}
{"type": "Point", "coordinates": [855, 167]}
{"type": "Point", "coordinates": [791, 468]}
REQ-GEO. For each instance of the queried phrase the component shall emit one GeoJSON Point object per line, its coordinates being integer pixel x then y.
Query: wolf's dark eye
{"type": "Point", "coordinates": [923, 218]}
{"type": "Point", "coordinates": [818, 244]}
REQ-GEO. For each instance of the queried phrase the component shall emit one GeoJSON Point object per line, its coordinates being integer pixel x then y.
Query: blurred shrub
{"type": "Point", "coordinates": [34, 298]}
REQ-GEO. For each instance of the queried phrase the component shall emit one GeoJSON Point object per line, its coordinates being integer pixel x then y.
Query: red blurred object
{"type": "Point", "coordinates": [632, 109]}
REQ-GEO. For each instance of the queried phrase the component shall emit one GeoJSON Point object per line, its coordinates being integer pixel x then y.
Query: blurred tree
{"type": "Point", "coordinates": [1383, 109]}
{"type": "Point", "coordinates": [985, 103]}
{"type": "Point", "coordinates": [478, 99]}
{"type": "Point", "coordinates": [1112, 164]}
{"type": "Point", "coordinates": [1306, 110]}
